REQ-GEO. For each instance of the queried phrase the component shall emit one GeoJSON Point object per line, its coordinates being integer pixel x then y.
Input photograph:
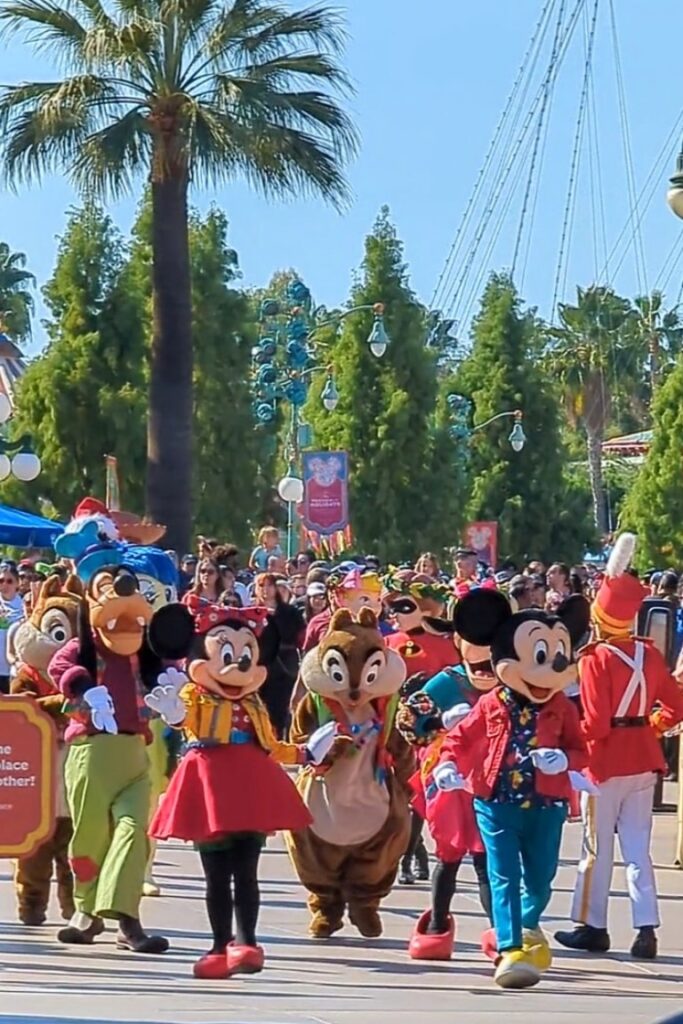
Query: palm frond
{"type": "Point", "coordinates": [45, 25]}
{"type": "Point", "coordinates": [110, 158]}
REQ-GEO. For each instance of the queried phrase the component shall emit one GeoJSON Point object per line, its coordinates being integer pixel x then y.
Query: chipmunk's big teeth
{"type": "Point", "coordinates": [140, 621]}
{"type": "Point", "coordinates": [111, 625]}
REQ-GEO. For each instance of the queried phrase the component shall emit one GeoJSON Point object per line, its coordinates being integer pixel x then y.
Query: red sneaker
{"type": "Point", "coordinates": [212, 967]}
{"type": "Point", "coordinates": [244, 959]}
{"type": "Point", "coordinates": [489, 945]}
{"type": "Point", "coordinates": [431, 946]}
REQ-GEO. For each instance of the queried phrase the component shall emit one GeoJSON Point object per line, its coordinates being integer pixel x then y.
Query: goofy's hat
{"type": "Point", "coordinates": [620, 595]}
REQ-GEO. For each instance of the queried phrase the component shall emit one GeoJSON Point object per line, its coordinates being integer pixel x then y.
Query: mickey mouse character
{"type": "Point", "coordinates": [517, 748]}
{"type": "Point", "coordinates": [229, 791]}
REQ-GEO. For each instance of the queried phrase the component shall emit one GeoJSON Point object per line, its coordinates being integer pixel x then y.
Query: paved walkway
{"type": "Point", "coordinates": [345, 981]}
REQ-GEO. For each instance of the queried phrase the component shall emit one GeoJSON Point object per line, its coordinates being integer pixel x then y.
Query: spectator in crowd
{"type": "Point", "coordinates": [11, 611]}
{"type": "Point", "coordinates": [268, 547]}
{"type": "Point", "coordinates": [208, 585]}
{"type": "Point", "coordinates": [428, 565]}
{"type": "Point", "coordinates": [558, 585]}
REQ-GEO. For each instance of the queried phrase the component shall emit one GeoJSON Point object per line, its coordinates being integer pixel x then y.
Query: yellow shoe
{"type": "Point", "coordinates": [536, 945]}
{"type": "Point", "coordinates": [516, 970]}
{"type": "Point", "coordinates": [150, 888]}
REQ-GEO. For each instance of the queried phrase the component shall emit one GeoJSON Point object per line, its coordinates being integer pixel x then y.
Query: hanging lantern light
{"type": "Point", "coordinates": [330, 395]}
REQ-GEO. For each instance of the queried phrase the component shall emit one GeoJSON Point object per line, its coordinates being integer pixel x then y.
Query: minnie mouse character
{"type": "Point", "coordinates": [229, 791]}
{"type": "Point", "coordinates": [517, 749]}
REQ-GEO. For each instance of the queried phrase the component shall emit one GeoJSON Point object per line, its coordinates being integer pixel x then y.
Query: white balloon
{"type": "Point", "coordinates": [5, 467]}
{"type": "Point", "coordinates": [291, 489]}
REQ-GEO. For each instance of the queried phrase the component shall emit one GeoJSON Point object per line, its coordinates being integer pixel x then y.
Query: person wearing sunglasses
{"type": "Point", "coordinates": [12, 610]}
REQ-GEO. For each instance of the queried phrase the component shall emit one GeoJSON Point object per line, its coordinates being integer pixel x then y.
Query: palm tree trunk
{"type": "Point", "coordinates": [169, 425]}
{"type": "Point", "coordinates": [597, 486]}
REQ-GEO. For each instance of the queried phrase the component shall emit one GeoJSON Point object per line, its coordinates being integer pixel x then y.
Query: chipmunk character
{"type": "Point", "coordinates": [229, 790]}
{"type": "Point", "coordinates": [53, 622]}
{"type": "Point", "coordinates": [358, 797]}
{"type": "Point", "coordinates": [514, 751]}
{"type": "Point", "coordinates": [104, 673]}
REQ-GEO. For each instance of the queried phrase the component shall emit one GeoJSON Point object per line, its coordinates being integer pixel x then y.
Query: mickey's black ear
{"type": "Point", "coordinates": [439, 625]}
{"type": "Point", "coordinates": [170, 632]}
{"type": "Point", "coordinates": [479, 615]}
{"type": "Point", "coordinates": [575, 612]}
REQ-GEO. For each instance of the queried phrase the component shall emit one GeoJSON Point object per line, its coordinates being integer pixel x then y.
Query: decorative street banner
{"type": "Point", "coordinates": [483, 538]}
{"type": "Point", "coordinates": [325, 508]}
{"type": "Point", "coordinates": [28, 746]}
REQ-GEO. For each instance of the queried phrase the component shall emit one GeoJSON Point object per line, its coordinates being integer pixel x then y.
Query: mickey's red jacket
{"type": "Point", "coordinates": [603, 680]}
{"type": "Point", "coordinates": [477, 745]}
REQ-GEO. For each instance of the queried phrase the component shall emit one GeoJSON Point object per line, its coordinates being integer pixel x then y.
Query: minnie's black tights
{"type": "Point", "coordinates": [234, 868]}
{"type": "Point", "coordinates": [444, 879]}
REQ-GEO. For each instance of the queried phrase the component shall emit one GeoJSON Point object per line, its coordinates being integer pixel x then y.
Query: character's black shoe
{"type": "Point", "coordinates": [72, 935]}
{"type": "Point", "coordinates": [132, 936]}
{"type": "Point", "coordinates": [585, 937]}
{"type": "Point", "coordinates": [422, 862]}
{"type": "Point", "coordinates": [645, 945]}
{"type": "Point", "coordinates": [406, 876]}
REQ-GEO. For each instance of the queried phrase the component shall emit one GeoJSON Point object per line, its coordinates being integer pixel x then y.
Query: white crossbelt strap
{"type": "Point", "coordinates": [636, 683]}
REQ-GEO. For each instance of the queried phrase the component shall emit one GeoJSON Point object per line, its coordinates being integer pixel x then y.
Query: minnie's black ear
{"type": "Point", "coordinates": [479, 615]}
{"type": "Point", "coordinates": [439, 625]}
{"type": "Point", "coordinates": [575, 612]}
{"type": "Point", "coordinates": [170, 632]}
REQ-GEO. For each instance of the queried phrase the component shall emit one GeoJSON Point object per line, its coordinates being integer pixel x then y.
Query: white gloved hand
{"type": "Point", "coordinates": [321, 742]}
{"type": "Point", "coordinates": [582, 784]}
{"type": "Point", "coordinates": [166, 703]}
{"type": "Point", "coordinates": [549, 760]}
{"type": "Point", "coordinates": [101, 707]}
{"type": "Point", "coordinates": [454, 715]}
{"type": "Point", "coordinates": [447, 777]}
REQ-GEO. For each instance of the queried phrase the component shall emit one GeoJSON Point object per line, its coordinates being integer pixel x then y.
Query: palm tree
{"type": "Point", "coordinates": [586, 354]}
{"type": "Point", "coordinates": [184, 91]}
{"type": "Point", "coordinates": [16, 301]}
{"type": "Point", "coordinates": [661, 332]}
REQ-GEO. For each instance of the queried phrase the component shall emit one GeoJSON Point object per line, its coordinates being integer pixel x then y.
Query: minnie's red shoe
{"type": "Point", "coordinates": [244, 959]}
{"type": "Point", "coordinates": [489, 945]}
{"type": "Point", "coordinates": [212, 967]}
{"type": "Point", "coordinates": [430, 946]}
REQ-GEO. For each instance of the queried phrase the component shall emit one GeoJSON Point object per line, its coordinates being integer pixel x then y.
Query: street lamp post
{"type": "Point", "coordinates": [460, 409]}
{"type": "Point", "coordinates": [17, 458]}
{"type": "Point", "coordinates": [284, 362]}
{"type": "Point", "coordinates": [674, 195]}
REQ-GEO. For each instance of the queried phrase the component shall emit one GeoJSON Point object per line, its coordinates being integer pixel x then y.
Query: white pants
{"type": "Point", "coordinates": [623, 804]}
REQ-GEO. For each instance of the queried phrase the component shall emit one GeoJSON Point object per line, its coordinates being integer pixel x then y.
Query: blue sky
{"type": "Point", "coordinates": [431, 82]}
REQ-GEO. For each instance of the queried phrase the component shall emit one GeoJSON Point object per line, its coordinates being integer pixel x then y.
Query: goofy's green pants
{"type": "Point", "coordinates": [108, 791]}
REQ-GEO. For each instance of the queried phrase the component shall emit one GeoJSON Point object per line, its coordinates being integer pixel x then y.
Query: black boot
{"type": "Point", "coordinates": [131, 936]}
{"type": "Point", "coordinates": [645, 945]}
{"type": "Point", "coordinates": [406, 876]}
{"type": "Point", "coordinates": [584, 936]}
{"type": "Point", "coordinates": [422, 861]}
{"type": "Point", "coordinates": [73, 935]}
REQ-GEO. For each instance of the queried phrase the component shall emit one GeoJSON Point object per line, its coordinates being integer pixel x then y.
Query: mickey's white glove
{"type": "Point", "coordinates": [101, 707]}
{"type": "Point", "coordinates": [549, 760]}
{"type": "Point", "coordinates": [583, 785]}
{"type": "Point", "coordinates": [165, 699]}
{"type": "Point", "coordinates": [454, 715]}
{"type": "Point", "coordinates": [447, 777]}
{"type": "Point", "coordinates": [321, 742]}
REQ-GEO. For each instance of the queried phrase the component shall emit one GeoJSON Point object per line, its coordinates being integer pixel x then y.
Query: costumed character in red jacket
{"type": "Point", "coordinates": [623, 678]}
{"type": "Point", "coordinates": [514, 750]}
{"type": "Point", "coordinates": [229, 790]}
{"type": "Point", "coordinates": [424, 718]}
{"type": "Point", "coordinates": [411, 600]}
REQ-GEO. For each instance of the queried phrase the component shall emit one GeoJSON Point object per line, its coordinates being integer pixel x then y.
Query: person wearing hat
{"type": "Point", "coordinates": [622, 678]}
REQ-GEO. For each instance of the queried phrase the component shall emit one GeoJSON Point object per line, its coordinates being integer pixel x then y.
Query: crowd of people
{"type": "Point", "coordinates": [410, 668]}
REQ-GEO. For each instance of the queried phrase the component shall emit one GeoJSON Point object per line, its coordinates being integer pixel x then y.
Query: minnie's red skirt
{"type": "Point", "coordinates": [224, 789]}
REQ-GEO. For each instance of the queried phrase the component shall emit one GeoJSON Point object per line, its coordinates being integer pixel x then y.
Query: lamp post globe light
{"type": "Point", "coordinates": [460, 429]}
{"type": "Point", "coordinates": [674, 196]}
{"type": "Point", "coordinates": [17, 458]}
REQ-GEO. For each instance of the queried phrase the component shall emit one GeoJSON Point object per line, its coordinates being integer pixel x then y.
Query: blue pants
{"type": "Point", "coordinates": [522, 851]}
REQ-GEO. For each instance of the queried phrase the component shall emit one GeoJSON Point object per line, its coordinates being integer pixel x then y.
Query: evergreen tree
{"type": "Point", "coordinates": [522, 491]}
{"type": "Point", "coordinates": [402, 496]}
{"type": "Point", "coordinates": [85, 396]}
{"type": "Point", "coordinates": [652, 508]}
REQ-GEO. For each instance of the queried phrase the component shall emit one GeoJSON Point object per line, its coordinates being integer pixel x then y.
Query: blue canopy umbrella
{"type": "Point", "coordinates": [24, 530]}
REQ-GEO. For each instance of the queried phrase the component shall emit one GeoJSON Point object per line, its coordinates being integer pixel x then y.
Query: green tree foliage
{"type": "Point", "coordinates": [179, 91]}
{"type": "Point", "coordinates": [522, 491]}
{"type": "Point", "coordinates": [16, 299]}
{"type": "Point", "coordinates": [402, 493]}
{"type": "Point", "coordinates": [653, 506]}
{"type": "Point", "coordinates": [84, 397]}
